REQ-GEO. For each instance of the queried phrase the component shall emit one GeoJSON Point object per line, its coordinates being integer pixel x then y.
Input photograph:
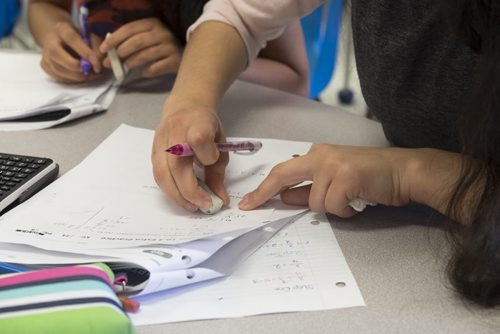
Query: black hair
{"type": "Point", "coordinates": [474, 269]}
{"type": "Point", "coordinates": [178, 15]}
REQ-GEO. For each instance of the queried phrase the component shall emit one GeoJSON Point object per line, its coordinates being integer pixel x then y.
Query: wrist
{"type": "Point", "coordinates": [432, 175]}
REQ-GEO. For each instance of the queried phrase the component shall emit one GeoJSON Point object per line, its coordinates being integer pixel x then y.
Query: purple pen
{"type": "Point", "coordinates": [251, 146]}
{"type": "Point", "coordinates": [84, 26]}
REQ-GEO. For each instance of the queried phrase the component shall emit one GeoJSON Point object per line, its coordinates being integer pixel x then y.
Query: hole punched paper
{"type": "Point", "coordinates": [91, 214]}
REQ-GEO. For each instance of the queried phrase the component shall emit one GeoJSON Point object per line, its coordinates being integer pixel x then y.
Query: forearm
{"type": "Point", "coordinates": [212, 60]}
{"type": "Point", "coordinates": [272, 73]}
{"type": "Point", "coordinates": [44, 15]}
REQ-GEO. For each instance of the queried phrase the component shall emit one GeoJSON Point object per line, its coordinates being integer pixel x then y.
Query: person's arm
{"type": "Point", "coordinates": [190, 115]}
{"type": "Point", "coordinates": [51, 25]}
{"type": "Point", "coordinates": [43, 15]}
{"type": "Point", "coordinates": [282, 64]}
{"type": "Point", "coordinates": [223, 40]}
{"type": "Point", "coordinates": [388, 176]}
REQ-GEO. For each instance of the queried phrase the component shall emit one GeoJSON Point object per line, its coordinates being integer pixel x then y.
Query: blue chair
{"type": "Point", "coordinates": [321, 32]}
{"type": "Point", "coordinates": [9, 12]}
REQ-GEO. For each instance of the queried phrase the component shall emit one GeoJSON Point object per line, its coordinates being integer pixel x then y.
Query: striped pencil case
{"type": "Point", "coordinates": [75, 299]}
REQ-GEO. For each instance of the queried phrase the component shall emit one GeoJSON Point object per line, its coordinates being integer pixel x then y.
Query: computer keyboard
{"type": "Point", "coordinates": [21, 176]}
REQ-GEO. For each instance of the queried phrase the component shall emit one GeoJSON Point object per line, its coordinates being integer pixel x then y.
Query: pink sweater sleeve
{"type": "Point", "coordinates": [257, 21]}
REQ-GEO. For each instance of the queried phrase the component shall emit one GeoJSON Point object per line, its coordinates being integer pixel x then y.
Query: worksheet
{"type": "Point", "coordinates": [111, 200]}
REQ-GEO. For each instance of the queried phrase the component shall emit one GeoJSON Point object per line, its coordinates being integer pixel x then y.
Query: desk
{"type": "Point", "coordinates": [396, 255]}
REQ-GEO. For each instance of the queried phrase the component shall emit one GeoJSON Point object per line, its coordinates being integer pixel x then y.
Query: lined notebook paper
{"type": "Point", "coordinates": [302, 268]}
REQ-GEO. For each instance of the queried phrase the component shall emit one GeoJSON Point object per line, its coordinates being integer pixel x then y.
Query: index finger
{"type": "Point", "coordinates": [282, 176]}
{"type": "Point", "coordinates": [72, 39]}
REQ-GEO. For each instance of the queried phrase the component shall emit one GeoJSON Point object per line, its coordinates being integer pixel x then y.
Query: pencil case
{"type": "Point", "coordinates": [72, 299]}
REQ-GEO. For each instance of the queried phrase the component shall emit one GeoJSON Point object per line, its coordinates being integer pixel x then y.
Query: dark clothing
{"type": "Point", "coordinates": [415, 74]}
{"type": "Point", "coordinates": [108, 16]}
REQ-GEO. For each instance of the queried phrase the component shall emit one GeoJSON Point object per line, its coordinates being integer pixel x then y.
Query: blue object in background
{"type": "Point", "coordinates": [9, 12]}
{"type": "Point", "coordinates": [321, 32]}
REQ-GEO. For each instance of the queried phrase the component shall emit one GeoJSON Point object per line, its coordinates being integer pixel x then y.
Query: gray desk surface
{"type": "Point", "coordinates": [396, 255]}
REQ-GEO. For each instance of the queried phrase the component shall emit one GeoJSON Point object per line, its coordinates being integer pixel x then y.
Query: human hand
{"type": "Point", "coordinates": [201, 129]}
{"type": "Point", "coordinates": [61, 52]}
{"type": "Point", "coordinates": [341, 174]}
{"type": "Point", "coordinates": [145, 42]}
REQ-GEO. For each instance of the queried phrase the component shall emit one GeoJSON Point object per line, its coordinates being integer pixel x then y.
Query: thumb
{"type": "Point", "coordinates": [214, 177]}
{"type": "Point", "coordinates": [296, 196]}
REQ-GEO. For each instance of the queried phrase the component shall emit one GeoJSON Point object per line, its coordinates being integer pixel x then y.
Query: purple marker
{"type": "Point", "coordinates": [252, 146]}
{"type": "Point", "coordinates": [84, 26]}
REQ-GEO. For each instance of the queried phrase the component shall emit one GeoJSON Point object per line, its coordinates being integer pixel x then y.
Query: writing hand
{"type": "Point", "coordinates": [62, 49]}
{"type": "Point", "coordinates": [200, 128]}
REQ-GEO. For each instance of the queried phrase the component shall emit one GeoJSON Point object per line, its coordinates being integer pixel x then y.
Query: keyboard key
{"type": "Point", "coordinates": [4, 178]}
{"type": "Point", "coordinates": [21, 164]}
{"type": "Point", "coordinates": [15, 179]}
{"type": "Point", "coordinates": [34, 166]}
{"type": "Point", "coordinates": [21, 175]}
{"type": "Point", "coordinates": [9, 163]}
{"type": "Point", "coordinates": [27, 170]}
{"type": "Point", "coordinates": [15, 169]}
{"type": "Point", "coordinates": [5, 188]}
{"type": "Point", "coordinates": [28, 160]}
{"type": "Point", "coordinates": [14, 158]}
{"type": "Point", "coordinates": [40, 161]}
{"type": "Point", "coordinates": [11, 184]}
{"type": "Point", "coordinates": [4, 167]}
{"type": "Point", "coordinates": [8, 174]}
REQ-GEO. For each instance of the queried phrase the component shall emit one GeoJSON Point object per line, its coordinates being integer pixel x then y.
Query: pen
{"type": "Point", "coordinates": [252, 146]}
{"type": "Point", "coordinates": [84, 26]}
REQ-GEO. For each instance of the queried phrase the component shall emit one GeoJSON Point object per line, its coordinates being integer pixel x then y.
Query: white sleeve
{"type": "Point", "coordinates": [257, 21]}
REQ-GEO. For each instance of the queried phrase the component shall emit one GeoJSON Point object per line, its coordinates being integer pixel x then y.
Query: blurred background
{"type": "Point", "coordinates": [327, 31]}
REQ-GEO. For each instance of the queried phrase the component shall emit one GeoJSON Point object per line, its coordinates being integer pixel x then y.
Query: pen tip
{"type": "Point", "coordinates": [176, 149]}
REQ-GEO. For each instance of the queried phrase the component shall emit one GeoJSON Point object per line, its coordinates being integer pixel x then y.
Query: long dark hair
{"type": "Point", "coordinates": [474, 269]}
{"type": "Point", "coordinates": [178, 15]}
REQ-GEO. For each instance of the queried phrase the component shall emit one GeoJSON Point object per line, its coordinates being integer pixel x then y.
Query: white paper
{"type": "Point", "coordinates": [112, 201]}
{"type": "Point", "coordinates": [26, 90]}
{"type": "Point", "coordinates": [302, 268]}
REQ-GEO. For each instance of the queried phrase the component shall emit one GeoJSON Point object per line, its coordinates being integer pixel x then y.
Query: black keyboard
{"type": "Point", "coordinates": [21, 176]}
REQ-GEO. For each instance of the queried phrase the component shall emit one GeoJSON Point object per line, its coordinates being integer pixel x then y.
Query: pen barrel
{"type": "Point", "coordinates": [237, 146]}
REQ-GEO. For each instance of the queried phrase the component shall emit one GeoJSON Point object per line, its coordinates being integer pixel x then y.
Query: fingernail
{"type": "Point", "coordinates": [190, 207]}
{"type": "Point", "coordinates": [243, 204]}
{"type": "Point", "coordinates": [206, 204]}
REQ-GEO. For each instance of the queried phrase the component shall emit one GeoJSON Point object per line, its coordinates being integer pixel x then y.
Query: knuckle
{"type": "Point", "coordinates": [277, 171]}
{"type": "Point", "coordinates": [198, 137]}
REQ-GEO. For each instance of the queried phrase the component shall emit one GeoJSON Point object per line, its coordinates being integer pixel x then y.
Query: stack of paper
{"type": "Point", "coordinates": [30, 99]}
{"type": "Point", "coordinates": [110, 209]}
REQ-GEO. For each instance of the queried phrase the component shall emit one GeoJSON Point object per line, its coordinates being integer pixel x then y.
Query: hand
{"type": "Point", "coordinates": [341, 174]}
{"type": "Point", "coordinates": [145, 42]}
{"type": "Point", "coordinates": [200, 128]}
{"type": "Point", "coordinates": [62, 49]}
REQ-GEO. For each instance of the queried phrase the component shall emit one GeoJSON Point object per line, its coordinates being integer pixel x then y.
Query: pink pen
{"type": "Point", "coordinates": [251, 146]}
